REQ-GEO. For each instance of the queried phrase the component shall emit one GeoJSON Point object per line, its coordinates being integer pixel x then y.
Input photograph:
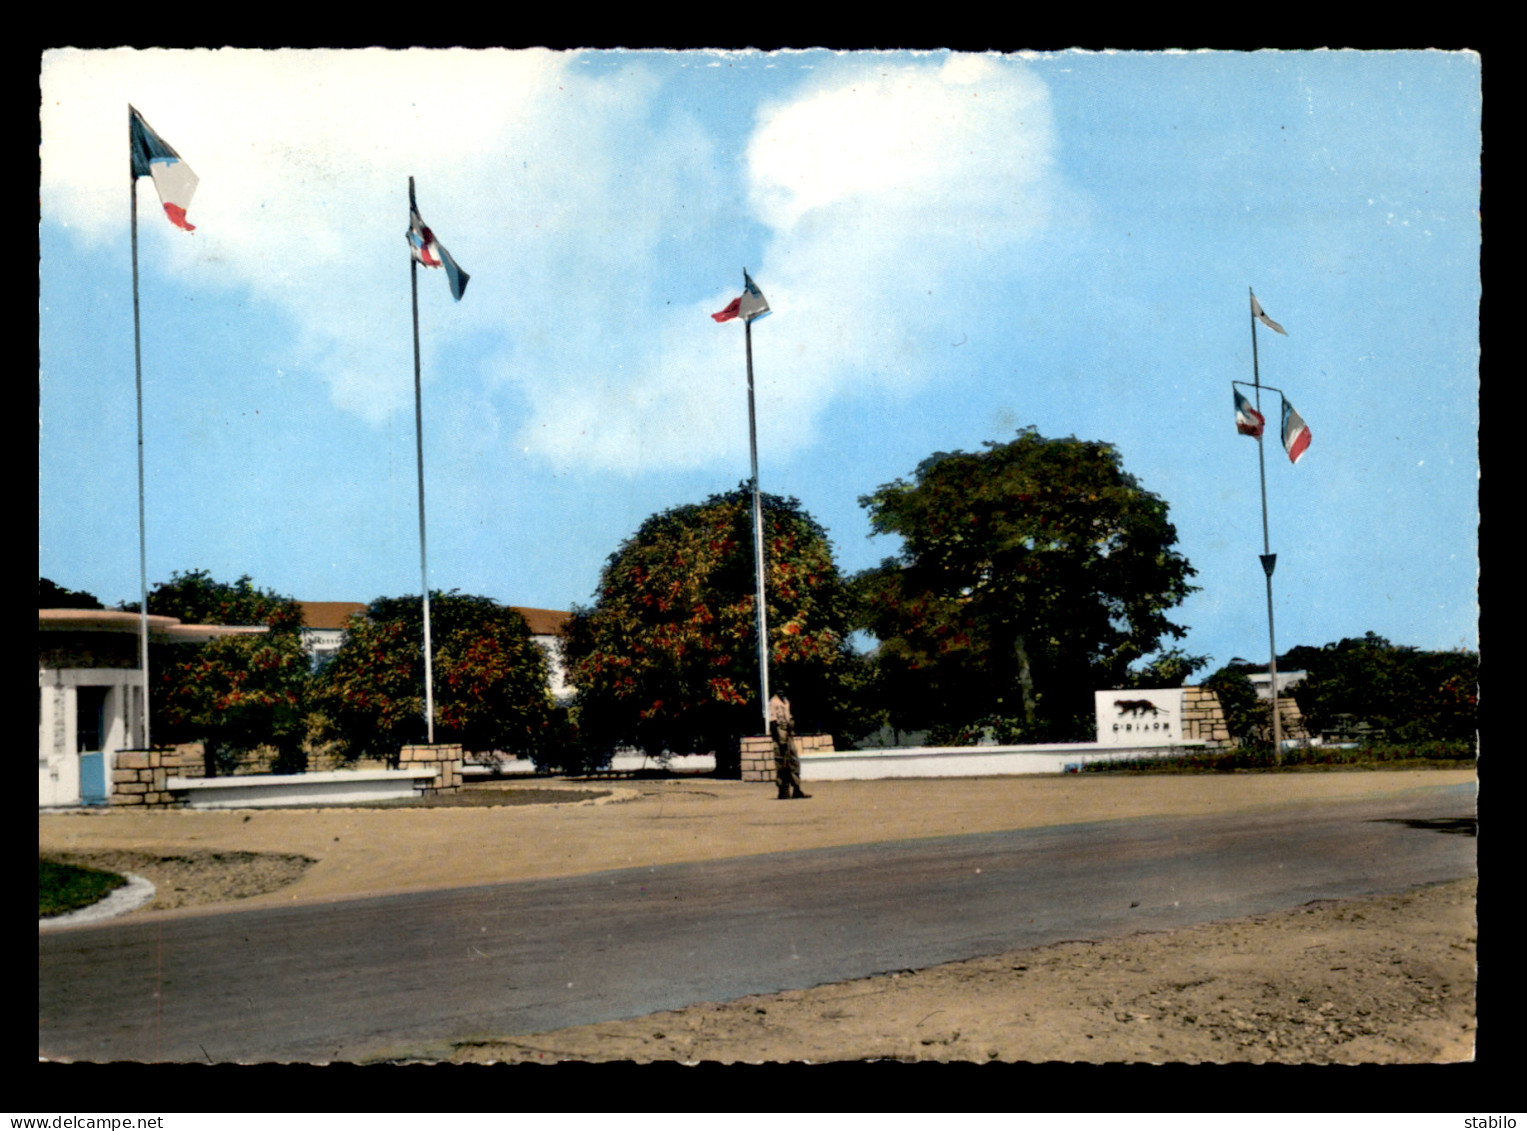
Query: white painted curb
{"type": "Point", "coordinates": [129, 897]}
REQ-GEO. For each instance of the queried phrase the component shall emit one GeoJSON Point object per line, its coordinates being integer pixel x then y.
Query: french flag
{"type": "Point", "coordinates": [426, 248]}
{"type": "Point", "coordinates": [1248, 421]}
{"type": "Point", "coordinates": [173, 178]}
{"type": "Point", "coordinates": [749, 306]}
{"type": "Point", "coordinates": [1296, 433]}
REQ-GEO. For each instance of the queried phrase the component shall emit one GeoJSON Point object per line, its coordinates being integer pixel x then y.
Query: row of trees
{"type": "Point", "coordinates": [238, 693]}
{"type": "Point", "coordinates": [1365, 684]}
{"type": "Point", "coordinates": [1029, 574]}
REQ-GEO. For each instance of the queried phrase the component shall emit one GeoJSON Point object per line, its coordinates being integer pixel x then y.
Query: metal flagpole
{"type": "Point", "coordinates": [429, 672]}
{"type": "Point", "coordinates": [1269, 559]}
{"type": "Point", "coordinates": [142, 527]}
{"type": "Point", "coordinates": [758, 545]}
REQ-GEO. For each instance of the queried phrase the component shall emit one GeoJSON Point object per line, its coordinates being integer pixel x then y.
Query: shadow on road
{"type": "Point", "coordinates": [1462, 826]}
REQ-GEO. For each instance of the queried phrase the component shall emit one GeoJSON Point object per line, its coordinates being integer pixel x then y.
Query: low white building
{"type": "Point", "coordinates": [546, 627]}
{"type": "Point", "coordinates": [1287, 681]}
{"type": "Point", "coordinates": [323, 627]}
{"type": "Point", "coordinates": [90, 695]}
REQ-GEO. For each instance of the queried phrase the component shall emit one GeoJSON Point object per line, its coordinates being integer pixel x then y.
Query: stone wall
{"type": "Point", "coordinates": [1290, 722]}
{"type": "Point", "coordinates": [1292, 719]}
{"type": "Point", "coordinates": [442, 757]}
{"type": "Point", "coordinates": [1203, 719]}
{"type": "Point", "coordinates": [758, 753]}
{"type": "Point", "coordinates": [138, 776]}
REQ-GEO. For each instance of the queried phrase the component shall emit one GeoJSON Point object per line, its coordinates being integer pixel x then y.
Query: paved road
{"type": "Point", "coordinates": [405, 973]}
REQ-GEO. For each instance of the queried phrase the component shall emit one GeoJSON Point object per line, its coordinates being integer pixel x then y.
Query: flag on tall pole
{"type": "Point", "coordinates": [1296, 433]}
{"type": "Point", "coordinates": [152, 157]}
{"type": "Point", "coordinates": [751, 306]}
{"type": "Point", "coordinates": [1255, 420]}
{"type": "Point", "coordinates": [149, 156]}
{"type": "Point", "coordinates": [427, 249]}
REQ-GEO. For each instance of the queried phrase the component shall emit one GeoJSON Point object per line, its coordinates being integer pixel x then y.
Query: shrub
{"type": "Point", "coordinates": [1408, 694]}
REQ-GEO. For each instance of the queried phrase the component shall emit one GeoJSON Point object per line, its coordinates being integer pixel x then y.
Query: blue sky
{"type": "Point", "coordinates": [955, 246]}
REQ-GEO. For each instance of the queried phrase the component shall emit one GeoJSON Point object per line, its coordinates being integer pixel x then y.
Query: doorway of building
{"type": "Point", "coordinates": [90, 736]}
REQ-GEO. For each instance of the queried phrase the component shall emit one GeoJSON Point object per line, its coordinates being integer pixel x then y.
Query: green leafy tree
{"type": "Point", "coordinates": [1407, 693]}
{"type": "Point", "coordinates": [667, 658]}
{"type": "Point", "coordinates": [1171, 668]}
{"type": "Point", "coordinates": [234, 694]}
{"type": "Point", "coordinates": [1030, 574]}
{"type": "Point", "coordinates": [51, 595]}
{"type": "Point", "coordinates": [490, 680]}
{"type": "Point", "coordinates": [195, 597]}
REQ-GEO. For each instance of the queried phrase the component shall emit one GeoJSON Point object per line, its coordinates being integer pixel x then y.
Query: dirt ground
{"type": "Point", "coordinates": [1372, 981]}
{"type": "Point", "coordinates": [1380, 980]}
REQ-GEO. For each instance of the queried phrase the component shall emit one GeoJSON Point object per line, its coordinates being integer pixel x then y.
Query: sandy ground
{"type": "Point", "coordinates": [1383, 980]}
{"type": "Point", "coordinates": [1374, 981]}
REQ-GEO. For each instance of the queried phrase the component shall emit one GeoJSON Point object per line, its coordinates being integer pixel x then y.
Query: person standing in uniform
{"type": "Point", "coordinates": [787, 764]}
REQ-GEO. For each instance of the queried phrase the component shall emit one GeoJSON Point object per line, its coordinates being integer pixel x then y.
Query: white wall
{"type": "Point", "coordinates": [967, 761]}
{"type": "Point", "coordinates": [58, 761]}
{"type": "Point", "coordinates": [556, 669]}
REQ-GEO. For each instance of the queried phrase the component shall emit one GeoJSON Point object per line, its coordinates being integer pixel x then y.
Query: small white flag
{"type": "Point", "coordinates": [1261, 316]}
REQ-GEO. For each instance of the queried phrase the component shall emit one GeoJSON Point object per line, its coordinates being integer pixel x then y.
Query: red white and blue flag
{"type": "Point", "coordinates": [1296, 433]}
{"type": "Point", "coordinates": [1248, 421]}
{"type": "Point", "coordinates": [748, 306]}
{"type": "Point", "coordinates": [426, 248]}
{"type": "Point", "coordinates": [173, 178]}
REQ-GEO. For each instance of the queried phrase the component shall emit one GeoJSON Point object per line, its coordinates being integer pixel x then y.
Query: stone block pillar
{"type": "Point", "coordinates": [758, 753]}
{"type": "Point", "coordinates": [757, 758]}
{"type": "Point", "coordinates": [138, 777]}
{"type": "Point", "coordinates": [1203, 718]}
{"type": "Point", "coordinates": [446, 758]}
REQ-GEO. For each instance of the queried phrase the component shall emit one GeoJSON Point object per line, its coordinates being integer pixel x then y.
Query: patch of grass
{"type": "Point", "coordinates": [64, 887]}
{"type": "Point", "coordinates": [1438, 754]}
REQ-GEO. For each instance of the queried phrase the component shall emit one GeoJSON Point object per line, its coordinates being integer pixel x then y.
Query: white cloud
{"type": "Point", "coordinates": [892, 193]}
{"type": "Point", "coordinates": [898, 194]}
{"type": "Point", "coordinates": [963, 141]}
{"type": "Point", "coordinates": [589, 212]}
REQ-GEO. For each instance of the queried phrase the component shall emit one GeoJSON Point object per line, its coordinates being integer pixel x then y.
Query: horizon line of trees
{"type": "Point", "coordinates": [1030, 574]}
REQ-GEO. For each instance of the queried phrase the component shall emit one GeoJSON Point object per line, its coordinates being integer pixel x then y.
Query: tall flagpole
{"type": "Point", "coordinates": [758, 544]}
{"type": "Point", "coordinates": [142, 526]}
{"type": "Point", "coordinates": [1269, 559]}
{"type": "Point", "coordinates": [429, 670]}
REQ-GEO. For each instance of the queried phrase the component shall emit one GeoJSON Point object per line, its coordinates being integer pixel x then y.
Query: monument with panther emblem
{"type": "Point", "coordinates": [1140, 718]}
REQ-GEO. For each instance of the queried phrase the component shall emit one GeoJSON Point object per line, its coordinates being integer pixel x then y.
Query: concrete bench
{"type": "Point", "coordinates": [335, 787]}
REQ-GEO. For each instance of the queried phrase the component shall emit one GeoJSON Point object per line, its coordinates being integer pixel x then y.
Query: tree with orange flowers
{"type": "Point", "coordinates": [666, 659]}
{"type": "Point", "coordinates": [490, 680]}
{"type": "Point", "coordinates": [234, 694]}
